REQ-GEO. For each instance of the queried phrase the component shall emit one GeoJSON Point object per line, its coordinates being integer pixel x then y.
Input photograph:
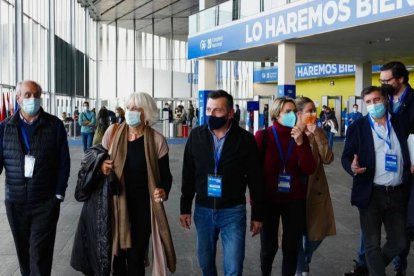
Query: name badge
{"type": "Point", "coordinates": [284, 183]}
{"type": "Point", "coordinates": [214, 185]}
{"type": "Point", "coordinates": [29, 162]}
{"type": "Point", "coordinates": [391, 162]}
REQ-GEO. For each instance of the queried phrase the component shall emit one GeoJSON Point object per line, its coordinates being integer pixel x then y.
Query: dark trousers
{"type": "Point", "coordinates": [388, 208]}
{"type": "Point", "coordinates": [34, 230]}
{"type": "Point", "coordinates": [131, 262]}
{"type": "Point", "coordinates": [293, 220]}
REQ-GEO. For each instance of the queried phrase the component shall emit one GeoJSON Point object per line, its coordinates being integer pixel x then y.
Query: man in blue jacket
{"type": "Point", "coordinates": [376, 155]}
{"type": "Point", "coordinates": [34, 152]}
{"type": "Point", "coordinates": [220, 160]}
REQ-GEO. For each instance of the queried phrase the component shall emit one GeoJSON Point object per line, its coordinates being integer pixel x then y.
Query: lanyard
{"type": "Point", "coordinates": [25, 139]}
{"type": "Point", "coordinates": [388, 140]}
{"type": "Point", "coordinates": [217, 155]}
{"type": "Point", "coordinates": [400, 100]}
{"type": "Point", "coordinates": [279, 147]}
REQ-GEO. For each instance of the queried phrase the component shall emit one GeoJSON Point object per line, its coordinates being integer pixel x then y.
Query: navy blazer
{"type": "Point", "coordinates": [359, 141]}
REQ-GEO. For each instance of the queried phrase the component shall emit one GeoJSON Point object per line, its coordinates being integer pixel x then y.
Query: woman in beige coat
{"type": "Point", "coordinates": [320, 221]}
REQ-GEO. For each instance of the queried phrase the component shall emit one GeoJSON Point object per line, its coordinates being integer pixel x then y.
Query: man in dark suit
{"type": "Point", "coordinates": [376, 155]}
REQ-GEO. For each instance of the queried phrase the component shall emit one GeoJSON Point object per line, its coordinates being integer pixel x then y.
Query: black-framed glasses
{"type": "Point", "coordinates": [385, 81]}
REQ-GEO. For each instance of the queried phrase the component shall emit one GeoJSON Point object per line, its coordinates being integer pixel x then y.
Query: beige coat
{"type": "Point", "coordinates": [320, 219]}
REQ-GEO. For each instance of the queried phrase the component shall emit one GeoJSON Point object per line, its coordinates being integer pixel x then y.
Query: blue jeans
{"type": "Point", "coordinates": [230, 223]}
{"type": "Point", "coordinates": [305, 252]}
{"type": "Point", "coordinates": [330, 137]}
{"type": "Point", "coordinates": [87, 140]}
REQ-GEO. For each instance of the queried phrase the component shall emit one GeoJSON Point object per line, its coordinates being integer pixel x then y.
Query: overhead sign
{"type": "Point", "coordinates": [307, 18]}
{"type": "Point", "coordinates": [308, 71]}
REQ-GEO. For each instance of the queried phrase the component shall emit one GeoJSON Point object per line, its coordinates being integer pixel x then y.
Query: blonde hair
{"type": "Point", "coordinates": [277, 106]}
{"type": "Point", "coordinates": [146, 102]}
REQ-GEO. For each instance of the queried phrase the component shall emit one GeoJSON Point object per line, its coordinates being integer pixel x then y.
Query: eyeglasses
{"type": "Point", "coordinates": [385, 81]}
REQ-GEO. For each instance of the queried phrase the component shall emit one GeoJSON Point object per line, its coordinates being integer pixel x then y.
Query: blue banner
{"type": "Point", "coordinates": [308, 71]}
{"type": "Point", "coordinates": [302, 19]}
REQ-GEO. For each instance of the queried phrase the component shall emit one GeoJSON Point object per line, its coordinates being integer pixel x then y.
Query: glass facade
{"type": "Point", "coordinates": [75, 58]}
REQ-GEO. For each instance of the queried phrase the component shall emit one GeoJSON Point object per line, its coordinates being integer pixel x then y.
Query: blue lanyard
{"type": "Point", "coordinates": [400, 99]}
{"type": "Point", "coordinates": [25, 139]}
{"type": "Point", "coordinates": [279, 147]}
{"type": "Point", "coordinates": [388, 141]}
{"type": "Point", "coordinates": [217, 156]}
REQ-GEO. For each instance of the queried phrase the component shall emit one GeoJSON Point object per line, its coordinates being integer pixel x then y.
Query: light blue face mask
{"type": "Point", "coordinates": [289, 119]}
{"type": "Point", "coordinates": [376, 110]}
{"type": "Point", "coordinates": [132, 118]}
{"type": "Point", "coordinates": [31, 106]}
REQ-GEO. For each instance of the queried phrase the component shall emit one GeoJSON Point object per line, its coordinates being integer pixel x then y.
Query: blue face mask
{"type": "Point", "coordinates": [289, 119]}
{"type": "Point", "coordinates": [376, 110]}
{"type": "Point", "coordinates": [132, 118]}
{"type": "Point", "coordinates": [216, 122]}
{"type": "Point", "coordinates": [31, 106]}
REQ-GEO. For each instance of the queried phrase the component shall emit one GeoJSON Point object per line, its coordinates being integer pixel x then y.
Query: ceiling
{"type": "Point", "coordinates": [377, 42]}
{"type": "Point", "coordinates": [144, 11]}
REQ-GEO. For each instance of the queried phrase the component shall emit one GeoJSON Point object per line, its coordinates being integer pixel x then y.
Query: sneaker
{"type": "Point", "coordinates": [358, 270]}
{"type": "Point", "coordinates": [399, 272]}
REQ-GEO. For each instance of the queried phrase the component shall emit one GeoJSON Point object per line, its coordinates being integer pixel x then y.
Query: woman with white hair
{"type": "Point", "coordinates": [139, 163]}
{"type": "Point", "coordinates": [139, 158]}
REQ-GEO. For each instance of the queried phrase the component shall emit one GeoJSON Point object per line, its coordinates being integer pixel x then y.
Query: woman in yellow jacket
{"type": "Point", "coordinates": [320, 221]}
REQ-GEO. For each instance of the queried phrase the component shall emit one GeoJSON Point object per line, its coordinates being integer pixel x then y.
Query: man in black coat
{"type": "Point", "coordinates": [220, 160]}
{"type": "Point", "coordinates": [394, 78]}
{"type": "Point", "coordinates": [35, 154]}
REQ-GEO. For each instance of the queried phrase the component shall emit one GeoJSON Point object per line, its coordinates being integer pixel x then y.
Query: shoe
{"type": "Point", "coordinates": [400, 272]}
{"type": "Point", "coordinates": [358, 270]}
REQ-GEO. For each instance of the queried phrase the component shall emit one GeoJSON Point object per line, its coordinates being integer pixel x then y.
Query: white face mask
{"type": "Point", "coordinates": [132, 118]}
{"type": "Point", "coordinates": [85, 108]}
{"type": "Point", "coordinates": [354, 109]}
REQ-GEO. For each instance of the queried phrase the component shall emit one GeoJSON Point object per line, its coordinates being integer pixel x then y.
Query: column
{"type": "Point", "coordinates": [18, 9]}
{"type": "Point", "coordinates": [52, 108]}
{"type": "Point", "coordinates": [286, 70]}
{"type": "Point", "coordinates": [206, 83]}
{"type": "Point", "coordinates": [363, 76]}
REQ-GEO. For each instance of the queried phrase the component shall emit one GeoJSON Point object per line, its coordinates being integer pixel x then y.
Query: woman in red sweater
{"type": "Point", "coordinates": [287, 161]}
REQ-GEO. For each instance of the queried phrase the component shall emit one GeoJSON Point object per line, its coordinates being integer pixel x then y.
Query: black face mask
{"type": "Point", "coordinates": [388, 88]}
{"type": "Point", "coordinates": [216, 122]}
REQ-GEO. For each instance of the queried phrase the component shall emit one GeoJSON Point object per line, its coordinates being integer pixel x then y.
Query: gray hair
{"type": "Point", "coordinates": [20, 83]}
{"type": "Point", "coordinates": [277, 106]}
{"type": "Point", "coordinates": [146, 102]}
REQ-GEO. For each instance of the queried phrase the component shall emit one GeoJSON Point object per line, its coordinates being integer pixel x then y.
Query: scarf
{"type": "Point", "coordinates": [163, 248]}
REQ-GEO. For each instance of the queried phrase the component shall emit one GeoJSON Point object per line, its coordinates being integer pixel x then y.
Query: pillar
{"type": "Point", "coordinates": [286, 70]}
{"type": "Point", "coordinates": [206, 83]}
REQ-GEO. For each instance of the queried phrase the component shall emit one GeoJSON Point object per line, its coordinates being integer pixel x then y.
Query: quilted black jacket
{"type": "Point", "coordinates": [91, 253]}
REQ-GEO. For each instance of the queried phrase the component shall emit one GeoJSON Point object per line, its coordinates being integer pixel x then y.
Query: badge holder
{"type": "Point", "coordinates": [284, 183]}
{"type": "Point", "coordinates": [29, 162]}
{"type": "Point", "coordinates": [391, 162]}
{"type": "Point", "coordinates": [214, 185]}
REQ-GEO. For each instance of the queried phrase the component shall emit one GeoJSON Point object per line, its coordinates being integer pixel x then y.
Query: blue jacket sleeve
{"type": "Point", "coordinates": [64, 157]}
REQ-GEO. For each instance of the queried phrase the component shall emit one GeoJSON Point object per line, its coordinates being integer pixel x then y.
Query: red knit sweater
{"type": "Point", "coordinates": [300, 164]}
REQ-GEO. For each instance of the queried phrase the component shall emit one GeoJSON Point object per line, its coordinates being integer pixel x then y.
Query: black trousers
{"type": "Point", "coordinates": [131, 262]}
{"type": "Point", "coordinates": [386, 208]}
{"type": "Point", "coordinates": [293, 220]}
{"type": "Point", "coordinates": [34, 230]}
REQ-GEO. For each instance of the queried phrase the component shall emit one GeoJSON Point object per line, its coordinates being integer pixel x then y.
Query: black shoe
{"type": "Point", "coordinates": [358, 270]}
{"type": "Point", "coordinates": [399, 272]}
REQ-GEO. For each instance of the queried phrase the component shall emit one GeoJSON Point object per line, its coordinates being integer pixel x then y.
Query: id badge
{"type": "Point", "coordinates": [214, 185]}
{"type": "Point", "coordinates": [29, 162]}
{"type": "Point", "coordinates": [284, 183]}
{"type": "Point", "coordinates": [391, 162]}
